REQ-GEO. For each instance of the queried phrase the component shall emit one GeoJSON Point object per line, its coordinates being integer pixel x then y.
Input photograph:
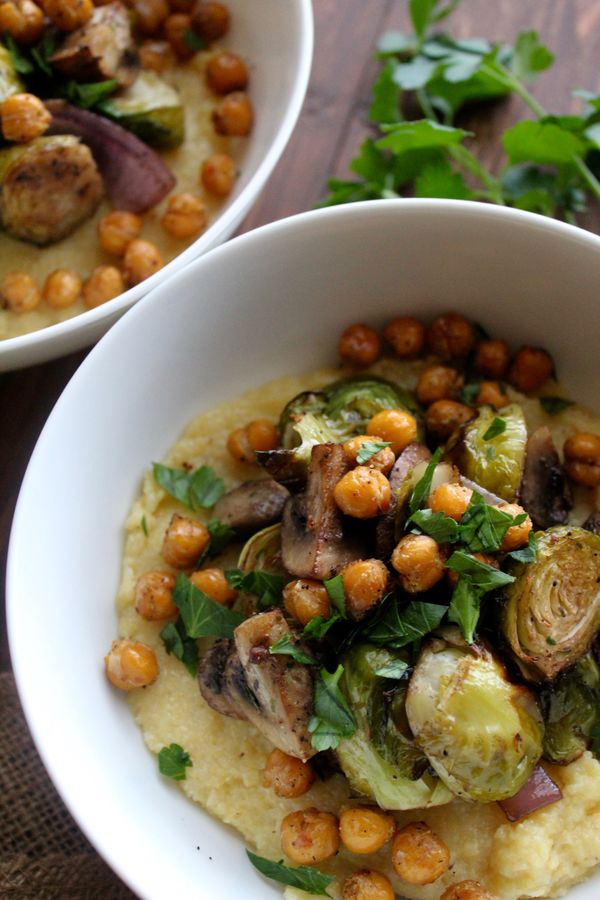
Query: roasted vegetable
{"type": "Point", "coordinates": [151, 109]}
{"type": "Point", "coordinates": [552, 613]}
{"type": "Point", "coordinates": [263, 551]}
{"type": "Point", "coordinates": [251, 505]}
{"type": "Point", "coordinates": [353, 401]}
{"type": "Point", "coordinates": [481, 734]}
{"type": "Point", "coordinates": [571, 708]}
{"type": "Point", "coordinates": [307, 401]}
{"type": "Point", "coordinates": [493, 456]}
{"type": "Point", "coordinates": [381, 760]}
{"type": "Point", "coordinates": [10, 82]}
{"type": "Point", "coordinates": [544, 491]}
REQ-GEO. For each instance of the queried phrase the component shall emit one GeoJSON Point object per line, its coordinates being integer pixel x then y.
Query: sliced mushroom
{"type": "Point", "coordinates": [213, 682]}
{"type": "Point", "coordinates": [315, 539]}
{"type": "Point", "coordinates": [252, 505]}
{"type": "Point", "coordinates": [284, 466]}
{"type": "Point", "coordinates": [386, 530]}
{"type": "Point", "coordinates": [544, 490]}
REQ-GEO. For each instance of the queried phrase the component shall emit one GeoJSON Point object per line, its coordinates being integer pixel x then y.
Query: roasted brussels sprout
{"type": "Point", "coordinates": [552, 612]}
{"type": "Point", "coordinates": [481, 734]}
{"type": "Point", "coordinates": [380, 760]}
{"type": "Point", "coordinates": [571, 708]}
{"type": "Point", "coordinates": [491, 457]}
{"type": "Point", "coordinates": [354, 401]}
{"type": "Point", "coordinates": [10, 82]}
{"type": "Point", "coordinates": [151, 109]}
{"type": "Point", "coordinates": [263, 551]}
{"type": "Point", "coordinates": [307, 401]}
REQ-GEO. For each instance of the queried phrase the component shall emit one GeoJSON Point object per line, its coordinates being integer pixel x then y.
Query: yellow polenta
{"type": "Point", "coordinates": [541, 856]}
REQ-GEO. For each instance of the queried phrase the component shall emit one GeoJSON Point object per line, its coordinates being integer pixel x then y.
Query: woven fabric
{"type": "Point", "coordinates": [43, 854]}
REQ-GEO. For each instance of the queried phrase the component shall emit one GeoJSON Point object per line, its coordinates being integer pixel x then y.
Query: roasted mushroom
{"type": "Point", "coordinates": [252, 505]}
{"type": "Point", "coordinates": [544, 491]}
{"type": "Point", "coordinates": [388, 528]}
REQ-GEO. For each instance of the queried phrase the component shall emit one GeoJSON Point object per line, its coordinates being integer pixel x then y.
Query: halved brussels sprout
{"type": "Point", "coordinates": [381, 760]}
{"type": "Point", "coordinates": [571, 708]}
{"type": "Point", "coordinates": [305, 402]}
{"type": "Point", "coordinates": [356, 400]}
{"type": "Point", "coordinates": [494, 462]}
{"type": "Point", "coordinates": [481, 734]}
{"type": "Point", "coordinates": [552, 611]}
{"type": "Point", "coordinates": [151, 109]}
{"type": "Point", "coordinates": [263, 551]}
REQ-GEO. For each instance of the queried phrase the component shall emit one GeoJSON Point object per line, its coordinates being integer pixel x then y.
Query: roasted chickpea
{"type": "Point", "coordinates": [226, 72]}
{"type": "Point", "coordinates": [491, 393]}
{"type": "Point", "coordinates": [467, 890]}
{"type": "Point", "coordinates": [12, 20]}
{"type": "Point", "coordinates": [117, 229]}
{"type": "Point", "coordinates": [444, 416]}
{"type": "Point", "coordinates": [184, 6]}
{"type": "Point", "coordinates": [451, 336]}
{"type": "Point", "coordinates": [365, 582]}
{"type": "Point", "coordinates": [176, 26]}
{"type": "Point", "coordinates": [491, 358]}
{"type": "Point", "coordinates": [185, 216]}
{"type": "Point", "coordinates": [582, 458]}
{"type": "Point", "coordinates": [438, 383]}
{"type": "Point", "coordinates": [130, 665]}
{"type": "Point", "coordinates": [406, 336]}
{"type": "Point", "coordinates": [210, 21]}
{"type": "Point", "coordinates": [309, 836]}
{"type": "Point", "coordinates": [239, 447]}
{"type": "Point", "coordinates": [363, 493]}
{"type": "Point", "coordinates": [150, 15]}
{"type": "Point", "coordinates": [450, 499]}
{"type": "Point", "coordinates": [141, 260]}
{"type": "Point", "coordinates": [394, 425]}
{"type": "Point", "coordinates": [365, 830]}
{"type": "Point", "coordinates": [19, 292]}
{"type": "Point", "coordinates": [419, 856]}
{"type": "Point", "coordinates": [62, 288]}
{"type": "Point", "coordinates": [156, 55]}
{"type": "Point", "coordinates": [305, 599]}
{"type": "Point", "coordinates": [217, 174]}
{"type": "Point", "coordinates": [530, 369]}
{"type": "Point", "coordinates": [367, 884]}
{"type": "Point", "coordinates": [419, 562]}
{"type": "Point", "coordinates": [517, 535]}
{"type": "Point", "coordinates": [68, 15]}
{"type": "Point", "coordinates": [383, 460]}
{"type": "Point", "coordinates": [359, 345]}
{"type": "Point", "coordinates": [233, 115]}
{"type": "Point", "coordinates": [288, 776]}
{"type": "Point", "coordinates": [22, 20]}
{"type": "Point", "coordinates": [154, 596]}
{"type": "Point", "coordinates": [24, 117]}
{"type": "Point", "coordinates": [214, 584]}
{"type": "Point", "coordinates": [104, 283]}
{"type": "Point", "coordinates": [260, 434]}
{"type": "Point", "coordinates": [184, 541]}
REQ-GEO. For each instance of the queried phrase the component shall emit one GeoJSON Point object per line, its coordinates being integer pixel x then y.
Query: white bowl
{"type": "Point", "coordinates": [273, 301]}
{"type": "Point", "coordinates": [277, 39]}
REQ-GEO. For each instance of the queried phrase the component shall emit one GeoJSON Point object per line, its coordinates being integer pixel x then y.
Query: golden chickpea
{"type": "Point", "coordinates": [365, 830]}
{"type": "Point", "coordinates": [359, 345]}
{"type": "Point", "coordinates": [184, 6]}
{"type": "Point", "coordinates": [104, 283]}
{"type": "Point", "coordinates": [68, 15]}
{"type": "Point", "coordinates": [368, 884]}
{"type": "Point", "coordinates": [19, 292]}
{"type": "Point", "coordinates": [185, 216]}
{"type": "Point", "coordinates": [394, 425]}
{"type": "Point", "coordinates": [406, 336]}
{"type": "Point", "coordinates": [288, 776]}
{"type": "Point", "coordinates": [491, 393]}
{"type": "Point", "coordinates": [365, 582]}
{"type": "Point", "coordinates": [217, 174]}
{"type": "Point", "coordinates": [444, 416]}
{"type": "Point", "coordinates": [419, 562]}
{"type": "Point", "coordinates": [419, 856]}
{"type": "Point", "coordinates": [117, 229]}
{"type": "Point", "coordinates": [363, 493]}
{"type": "Point", "coordinates": [153, 596]}
{"type": "Point", "coordinates": [233, 115]}
{"type": "Point", "coordinates": [438, 383]}
{"type": "Point", "coordinates": [305, 599]}
{"type": "Point", "coordinates": [210, 21]}
{"type": "Point", "coordinates": [156, 55]}
{"type": "Point", "coordinates": [176, 26]}
{"type": "Point", "coordinates": [226, 72]}
{"type": "Point", "coordinates": [517, 535]}
{"type": "Point", "coordinates": [467, 890]}
{"type": "Point", "coordinates": [24, 118]}
{"type": "Point", "coordinates": [530, 369]}
{"type": "Point", "coordinates": [450, 499]}
{"type": "Point", "coordinates": [130, 665]}
{"type": "Point", "coordinates": [491, 358]}
{"type": "Point", "coordinates": [62, 288]}
{"type": "Point", "coordinates": [22, 20]}
{"type": "Point", "coordinates": [582, 458]}
{"type": "Point", "coordinates": [142, 259]}
{"type": "Point", "coordinates": [239, 447]}
{"type": "Point", "coordinates": [309, 836]}
{"type": "Point", "coordinates": [262, 434]}
{"type": "Point", "coordinates": [12, 20]}
{"type": "Point", "coordinates": [214, 584]}
{"type": "Point", "coordinates": [184, 541]}
{"type": "Point", "coordinates": [150, 15]}
{"type": "Point", "coordinates": [451, 336]}
{"type": "Point", "coordinates": [383, 460]}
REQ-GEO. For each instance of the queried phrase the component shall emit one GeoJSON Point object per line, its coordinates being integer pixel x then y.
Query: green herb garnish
{"type": "Point", "coordinates": [194, 41]}
{"type": "Point", "coordinates": [318, 627]}
{"type": "Point", "coordinates": [202, 616]}
{"type": "Point", "coordinates": [423, 487]}
{"type": "Point", "coordinates": [368, 449]}
{"type": "Point", "coordinates": [526, 554]}
{"type": "Point", "coordinates": [198, 489]}
{"type": "Point", "coordinates": [89, 95]}
{"type": "Point", "coordinates": [303, 877]}
{"type": "Point", "coordinates": [555, 405]}
{"type": "Point", "coordinates": [397, 626]}
{"type": "Point", "coordinates": [497, 427]}
{"type": "Point", "coordinates": [395, 669]}
{"type": "Point", "coordinates": [264, 585]}
{"type": "Point", "coordinates": [173, 761]}
{"type": "Point", "coordinates": [336, 593]}
{"type": "Point", "coordinates": [440, 527]}
{"type": "Point", "coordinates": [332, 719]}
{"type": "Point", "coordinates": [483, 527]}
{"type": "Point", "coordinates": [286, 646]}
{"type": "Point", "coordinates": [144, 525]}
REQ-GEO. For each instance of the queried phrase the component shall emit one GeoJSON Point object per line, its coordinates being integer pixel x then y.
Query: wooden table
{"type": "Point", "coordinates": [332, 124]}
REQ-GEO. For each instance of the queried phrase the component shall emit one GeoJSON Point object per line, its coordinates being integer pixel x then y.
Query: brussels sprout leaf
{"type": "Point", "coordinates": [422, 488]}
{"type": "Point", "coordinates": [333, 719]}
{"type": "Point", "coordinates": [335, 591]}
{"type": "Point", "coordinates": [555, 405]}
{"type": "Point", "coordinates": [397, 626]}
{"type": "Point", "coordinates": [199, 489]}
{"type": "Point", "coordinates": [173, 761]}
{"type": "Point", "coordinates": [285, 646]}
{"type": "Point", "coordinates": [303, 877]}
{"type": "Point", "coordinates": [394, 669]}
{"type": "Point", "coordinates": [266, 586]}
{"type": "Point", "coordinates": [497, 427]}
{"type": "Point", "coordinates": [595, 736]}
{"type": "Point", "coordinates": [177, 642]}
{"type": "Point", "coordinates": [202, 616]}
{"type": "Point", "coordinates": [369, 449]}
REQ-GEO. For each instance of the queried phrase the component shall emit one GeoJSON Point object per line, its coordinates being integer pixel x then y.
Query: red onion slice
{"type": "Point", "coordinates": [537, 792]}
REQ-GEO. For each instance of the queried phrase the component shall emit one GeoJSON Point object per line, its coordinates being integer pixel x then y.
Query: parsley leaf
{"type": "Point", "coordinates": [479, 573]}
{"type": "Point", "coordinates": [193, 40]}
{"type": "Point", "coordinates": [318, 627]}
{"type": "Point", "coordinates": [464, 607]}
{"type": "Point", "coordinates": [202, 616]}
{"type": "Point", "coordinates": [177, 642]}
{"type": "Point", "coordinates": [526, 554]}
{"type": "Point", "coordinates": [21, 63]}
{"type": "Point", "coordinates": [336, 593]}
{"type": "Point", "coordinates": [88, 95]}
{"type": "Point", "coordinates": [498, 426]}
{"type": "Point", "coordinates": [530, 57]}
{"type": "Point", "coordinates": [423, 487]}
{"type": "Point", "coordinates": [286, 646]}
{"type": "Point", "coordinates": [397, 626]}
{"type": "Point", "coordinates": [483, 528]}
{"type": "Point", "coordinates": [470, 392]}
{"type": "Point", "coordinates": [332, 719]}
{"type": "Point", "coordinates": [303, 877]}
{"type": "Point", "coordinates": [368, 450]}
{"type": "Point", "coordinates": [386, 96]}
{"type": "Point", "coordinates": [144, 525]}
{"type": "Point", "coordinates": [555, 405]}
{"type": "Point", "coordinates": [173, 761]}
{"type": "Point", "coordinates": [418, 135]}
{"type": "Point", "coordinates": [199, 489]}
{"type": "Point", "coordinates": [541, 142]}
{"type": "Point", "coordinates": [440, 527]}
{"type": "Point", "coordinates": [220, 536]}
{"type": "Point", "coordinates": [264, 585]}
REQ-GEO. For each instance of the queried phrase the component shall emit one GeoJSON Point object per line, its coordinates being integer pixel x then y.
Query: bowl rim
{"type": "Point", "coordinates": [216, 233]}
{"type": "Point", "coordinates": [300, 224]}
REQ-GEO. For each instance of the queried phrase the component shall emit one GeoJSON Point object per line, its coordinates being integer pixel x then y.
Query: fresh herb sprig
{"type": "Point", "coordinates": [197, 489]}
{"type": "Point", "coordinates": [173, 761]}
{"type": "Point", "coordinates": [303, 877]}
{"type": "Point", "coordinates": [332, 719]}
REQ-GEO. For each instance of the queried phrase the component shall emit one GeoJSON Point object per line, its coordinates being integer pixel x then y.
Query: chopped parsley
{"type": "Point", "coordinates": [197, 489]}
{"type": "Point", "coordinates": [201, 615]}
{"type": "Point", "coordinates": [286, 646]}
{"type": "Point", "coordinates": [303, 877]}
{"type": "Point", "coordinates": [369, 449]}
{"type": "Point", "coordinates": [173, 761]}
{"type": "Point", "coordinates": [336, 593]}
{"type": "Point", "coordinates": [332, 719]}
{"type": "Point", "coordinates": [497, 427]}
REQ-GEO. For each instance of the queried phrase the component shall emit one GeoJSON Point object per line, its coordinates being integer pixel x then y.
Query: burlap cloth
{"type": "Point", "coordinates": [43, 854]}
